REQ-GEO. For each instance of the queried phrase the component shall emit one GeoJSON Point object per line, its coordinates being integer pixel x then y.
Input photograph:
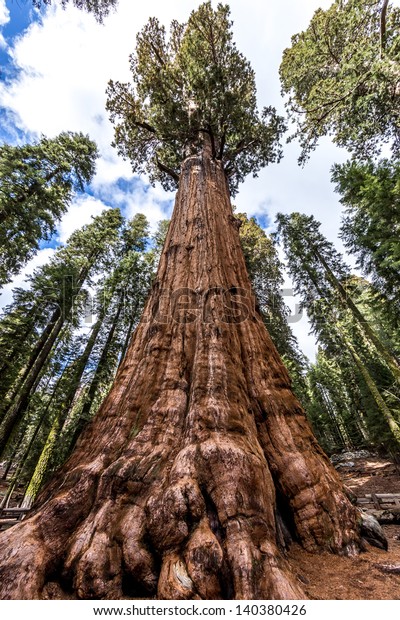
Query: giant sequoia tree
{"type": "Point", "coordinates": [200, 461]}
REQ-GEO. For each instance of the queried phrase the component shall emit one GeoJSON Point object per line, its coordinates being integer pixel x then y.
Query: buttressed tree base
{"type": "Point", "coordinates": [200, 460]}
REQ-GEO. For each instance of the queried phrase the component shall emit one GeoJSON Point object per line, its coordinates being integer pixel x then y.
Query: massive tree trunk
{"type": "Point", "coordinates": [200, 454]}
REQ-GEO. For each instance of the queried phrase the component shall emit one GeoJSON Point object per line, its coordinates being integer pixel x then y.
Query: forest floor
{"type": "Point", "coordinates": [329, 577]}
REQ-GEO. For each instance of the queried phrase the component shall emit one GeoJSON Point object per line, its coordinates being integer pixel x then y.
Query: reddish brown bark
{"type": "Point", "coordinates": [173, 488]}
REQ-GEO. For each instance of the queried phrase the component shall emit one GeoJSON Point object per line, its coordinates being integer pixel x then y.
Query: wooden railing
{"type": "Point", "coordinates": [11, 516]}
{"type": "Point", "coordinates": [379, 501]}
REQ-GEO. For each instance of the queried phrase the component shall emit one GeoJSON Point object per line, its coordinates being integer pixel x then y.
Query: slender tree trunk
{"type": "Point", "coordinates": [128, 336]}
{"type": "Point", "coordinates": [37, 348]}
{"type": "Point", "coordinates": [40, 470]}
{"type": "Point", "coordinates": [200, 450]}
{"type": "Point", "coordinates": [21, 431]}
{"type": "Point", "coordinates": [367, 330]}
{"type": "Point", "coordinates": [10, 462]}
{"type": "Point", "coordinates": [18, 407]}
{"type": "Point", "coordinates": [341, 433]}
{"type": "Point", "coordinates": [20, 466]}
{"type": "Point", "coordinates": [84, 414]}
{"type": "Point", "coordinates": [376, 395]}
{"type": "Point", "coordinates": [383, 26]}
{"type": "Point", "coordinates": [79, 368]}
{"type": "Point", "coordinates": [34, 484]}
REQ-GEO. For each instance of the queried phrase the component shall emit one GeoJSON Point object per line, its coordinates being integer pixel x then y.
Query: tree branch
{"type": "Point", "coordinates": [157, 54]}
{"type": "Point", "coordinates": [141, 124]}
{"type": "Point", "coordinates": [163, 168]}
{"type": "Point", "coordinates": [240, 147]}
{"type": "Point", "coordinates": [221, 147]}
{"type": "Point", "coordinates": [383, 25]}
{"type": "Point", "coordinates": [144, 125]}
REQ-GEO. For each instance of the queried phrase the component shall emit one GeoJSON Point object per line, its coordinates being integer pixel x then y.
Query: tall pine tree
{"type": "Point", "coordinates": [59, 286]}
{"type": "Point", "coordinates": [37, 183]}
{"type": "Point", "coordinates": [370, 194]}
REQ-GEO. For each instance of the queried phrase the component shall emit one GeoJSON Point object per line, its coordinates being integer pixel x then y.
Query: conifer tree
{"type": "Point", "coordinates": [370, 194]}
{"type": "Point", "coordinates": [319, 274]}
{"type": "Point", "coordinates": [37, 183]}
{"type": "Point", "coordinates": [99, 8]}
{"type": "Point", "coordinates": [61, 285]}
{"type": "Point", "coordinates": [341, 76]}
{"type": "Point", "coordinates": [318, 269]}
{"type": "Point", "coordinates": [334, 408]}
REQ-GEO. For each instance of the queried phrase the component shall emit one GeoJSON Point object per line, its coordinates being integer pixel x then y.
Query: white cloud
{"type": "Point", "coordinates": [137, 196]}
{"type": "Point", "coordinates": [4, 13]}
{"type": "Point", "coordinates": [80, 213]}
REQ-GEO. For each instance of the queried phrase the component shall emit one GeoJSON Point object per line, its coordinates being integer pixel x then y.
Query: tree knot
{"type": "Point", "coordinates": [235, 221]}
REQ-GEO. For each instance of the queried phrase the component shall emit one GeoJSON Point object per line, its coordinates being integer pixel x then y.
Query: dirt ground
{"type": "Point", "coordinates": [329, 577]}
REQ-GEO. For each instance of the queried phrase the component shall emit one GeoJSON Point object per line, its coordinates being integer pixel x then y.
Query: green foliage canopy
{"type": "Point", "coordinates": [99, 8]}
{"type": "Point", "coordinates": [191, 87]}
{"type": "Point", "coordinates": [342, 76]}
{"type": "Point", "coordinates": [37, 183]}
{"type": "Point", "coordinates": [371, 224]}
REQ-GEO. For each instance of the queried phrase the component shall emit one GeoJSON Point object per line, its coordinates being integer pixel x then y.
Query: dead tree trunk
{"type": "Point", "coordinates": [180, 484]}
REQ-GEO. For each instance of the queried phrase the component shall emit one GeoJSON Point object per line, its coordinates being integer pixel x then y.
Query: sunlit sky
{"type": "Point", "coordinates": [54, 68]}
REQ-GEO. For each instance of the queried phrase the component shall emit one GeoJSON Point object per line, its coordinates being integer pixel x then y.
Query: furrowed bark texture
{"type": "Point", "coordinates": [180, 485]}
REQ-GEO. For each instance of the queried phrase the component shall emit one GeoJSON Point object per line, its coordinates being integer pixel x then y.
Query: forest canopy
{"type": "Point", "coordinates": [341, 77]}
{"type": "Point", "coordinates": [187, 86]}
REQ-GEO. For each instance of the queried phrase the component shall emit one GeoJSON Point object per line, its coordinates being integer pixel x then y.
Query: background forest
{"type": "Point", "coordinates": [66, 327]}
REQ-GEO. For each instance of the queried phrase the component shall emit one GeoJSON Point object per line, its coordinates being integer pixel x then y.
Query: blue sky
{"type": "Point", "coordinates": [20, 16]}
{"type": "Point", "coordinates": [54, 70]}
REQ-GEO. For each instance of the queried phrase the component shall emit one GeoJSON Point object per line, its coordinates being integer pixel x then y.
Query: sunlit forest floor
{"type": "Point", "coordinates": [331, 577]}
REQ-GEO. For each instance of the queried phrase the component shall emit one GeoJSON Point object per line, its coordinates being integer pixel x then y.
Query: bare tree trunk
{"type": "Point", "coordinates": [200, 450]}
{"type": "Point", "coordinates": [84, 413]}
